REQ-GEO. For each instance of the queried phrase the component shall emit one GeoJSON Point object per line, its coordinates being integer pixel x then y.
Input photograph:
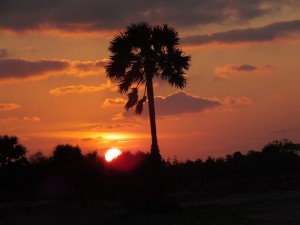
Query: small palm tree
{"type": "Point", "coordinates": [139, 54]}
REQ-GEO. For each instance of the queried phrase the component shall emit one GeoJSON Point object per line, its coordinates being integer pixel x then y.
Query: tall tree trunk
{"type": "Point", "coordinates": [154, 147]}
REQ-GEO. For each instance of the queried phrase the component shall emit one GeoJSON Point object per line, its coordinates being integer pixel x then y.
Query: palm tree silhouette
{"type": "Point", "coordinates": [139, 54]}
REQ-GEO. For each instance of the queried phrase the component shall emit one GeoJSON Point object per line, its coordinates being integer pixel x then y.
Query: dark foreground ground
{"type": "Point", "coordinates": [277, 208]}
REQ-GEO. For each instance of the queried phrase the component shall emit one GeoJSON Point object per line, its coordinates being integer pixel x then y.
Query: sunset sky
{"type": "Point", "coordinates": [243, 84]}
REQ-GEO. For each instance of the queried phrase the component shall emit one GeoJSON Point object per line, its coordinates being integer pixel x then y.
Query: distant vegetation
{"type": "Point", "coordinates": [68, 174]}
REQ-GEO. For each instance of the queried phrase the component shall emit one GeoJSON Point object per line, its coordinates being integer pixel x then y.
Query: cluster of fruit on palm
{"type": "Point", "coordinates": [133, 101]}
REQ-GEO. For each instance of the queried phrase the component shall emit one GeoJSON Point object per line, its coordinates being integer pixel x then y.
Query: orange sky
{"type": "Point", "coordinates": [243, 84]}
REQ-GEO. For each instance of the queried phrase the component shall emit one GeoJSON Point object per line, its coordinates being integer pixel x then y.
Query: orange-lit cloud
{"type": "Point", "coordinates": [90, 15]}
{"type": "Point", "coordinates": [81, 89]}
{"type": "Point", "coordinates": [286, 29]}
{"type": "Point", "coordinates": [229, 70]}
{"type": "Point", "coordinates": [115, 126]}
{"type": "Point", "coordinates": [229, 101]}
{"type": "Point", "coordinates": [32, 119]}
{"type": "Point", "coordinates": [8, 106]}
{"type": "Point", "coordinates": [85, 68]}
{"type": "Point", "coordinates": [114, 102]}
{"type": "Point", "coordinates": [232, 104]}
{"type": "Point", "coordinates": [11, 69]}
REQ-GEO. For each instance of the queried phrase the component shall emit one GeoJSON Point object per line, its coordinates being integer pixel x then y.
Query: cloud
{"type": "Point", "coordinates": [32, 119]}
{"type": "Point", "coordinates": [115, 126]}
{"type": "Point", "coordinates": [180, 103]}
{"type": "Point", "coordinates": [229, 70]}
{"type": "Point", "coordinates": [230, 101]}
{"type": "Point", "coordinates": [90, 15]}
{"type": "Point", "coordinates": [85, 68]}
{"type": "Point", "coordinates": [3, 53]}
{"type": "Point", "coordinates": [177, 103]}
{"type": "Point", "coordinates": [114, 102]}
{"type": "Point", "coordinates": [79, 89]}
{"type": "Point", "coordinates": [11, 69]}
{"type": "Point", "coordinates": [8, 106]}
{"type": "Point", "coordinates": [270, 32]}
{"type": "Point", "coordinates": [19, 68]}
{"type": "Point", "coordinates": [231, 104]}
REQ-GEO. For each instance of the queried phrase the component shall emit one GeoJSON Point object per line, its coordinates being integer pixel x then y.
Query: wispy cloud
{"type": "Point", "coordinates": [114, 102]}
{"type": "Point", "coordinates": [229, 70]}
{"type": "Point", "coordinates": [81, 89]}
{"type": "Point", "coordinates": [16, 69]}
{"type": "Point", "coordinates": [90, 15]}
{"type": "Point", "coordinates": [287, 29]}
{"type": "Point", "coordinates": [233, 104]}
{"type": "Point", "coordinates": [85, 68]}
{"type": "Point", "coordinates": [115, 126]}
{"type": "Point", "coordinates": [9, 106]}
{"type": "Point", "coordinates": [32, 118]}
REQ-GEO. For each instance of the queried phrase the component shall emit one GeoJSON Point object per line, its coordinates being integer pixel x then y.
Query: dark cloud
{"type": "Point", "coordinates": [19, 68]}
{"type": "Point", "coordinates": [181, 103]}
{"type": "Point", "coordinates": [245, 67]}
{"type": "Point", "coordinates": [176, 104]}
{"type": "Point", "coordinates": [91, 15]}
{"type": "Point", "coordinates": [3, 53]}
{"type": "Point", "coordinates": [266, 33]}
{"type": "Point", "coordinates": [228, 70]}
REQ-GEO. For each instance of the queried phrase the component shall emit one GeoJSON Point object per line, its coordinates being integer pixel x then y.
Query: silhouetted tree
{"type": "Point", "coordinates": [283, 145]}
{"type": "Point", "coordinates": [67, 154]}
{"type": "Point", "coordinates": [139, 54]}
{"type": "Point", "coordinates": [38, 158]}
{"type": "Point", "coordinates": [11, 151]}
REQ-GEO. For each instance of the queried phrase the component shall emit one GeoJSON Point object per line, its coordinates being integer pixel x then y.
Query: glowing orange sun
{"type": "Point", "coordinates": [112, 154]}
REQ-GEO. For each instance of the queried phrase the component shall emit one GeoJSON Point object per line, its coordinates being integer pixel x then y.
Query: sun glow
{"type": "Point", "coordinates": [112, 154]}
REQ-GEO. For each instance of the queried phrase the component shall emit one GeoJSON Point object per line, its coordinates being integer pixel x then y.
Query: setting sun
{"type": "Point", "coordinates": [112, 154]}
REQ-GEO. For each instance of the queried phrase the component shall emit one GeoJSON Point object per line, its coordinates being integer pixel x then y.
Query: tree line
{"type": "Point", "coordinates": [68, 174]}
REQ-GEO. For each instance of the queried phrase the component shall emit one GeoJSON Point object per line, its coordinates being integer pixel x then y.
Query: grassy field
{"type": "Point", "coordinates": [245, 209]}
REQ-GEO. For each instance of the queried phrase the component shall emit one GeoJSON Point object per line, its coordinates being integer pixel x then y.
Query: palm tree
{"type": "Point", "coordinates": [139, 54]}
